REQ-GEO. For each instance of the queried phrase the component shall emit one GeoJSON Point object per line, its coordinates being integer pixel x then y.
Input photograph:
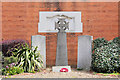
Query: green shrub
{"type": "Point", "coordinates": [19, 70]}
{"type": "Point", "coordinates": [0, 53]}
{"type": "Point", "coordinates": [97, 43]}
{"type": "Point", "coordinates": [117, 40]}
{"type": "Point", "coordinates": [1, 59]}
{"type": "Point", "coordinates": [9, 45]}
{"type": "Point", "coordinates": [105, 59]}
{"type": "Point", "coordinates": [9, 60]}
{"type": "Point", "coordinates": [12, 69]}
{"type": "Point", "coordinates": [28, 59]}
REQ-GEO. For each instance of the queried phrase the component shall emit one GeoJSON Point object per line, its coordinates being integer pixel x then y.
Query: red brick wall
{"type": "Point", "coordinates": [20, 21]}
{"type": "Point", "coordinates": [119, 18]}
{"type": "Point", "coordinates": [0, 22]}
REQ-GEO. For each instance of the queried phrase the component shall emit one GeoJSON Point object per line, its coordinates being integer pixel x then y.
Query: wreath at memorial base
{"type": "Point", "coordinates": [63, 70]}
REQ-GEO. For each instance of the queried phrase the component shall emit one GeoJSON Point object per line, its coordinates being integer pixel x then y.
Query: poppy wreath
{"type": "Point", "coordinates": [64, 70]}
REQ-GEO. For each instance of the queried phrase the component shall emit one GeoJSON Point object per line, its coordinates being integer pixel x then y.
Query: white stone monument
{"type": "Point", "coordinates": [84, 52]}
{"type": "Point", "coordinates": [40, 42]}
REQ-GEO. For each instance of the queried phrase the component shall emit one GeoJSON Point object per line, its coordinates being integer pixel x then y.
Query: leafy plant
{"type": "Point", "coordinates": [28, 58]}
{"type": "Point", "coordinates": [105, 59]}
{"type": "Point", "coordinates": [11, 69]}
{"type": "Point", "coordinates": [9, 60]}
{"type": "Point", "coordinates": [117, 40]}
{"type": "Point", "coordinates": [99, 42]}
{"type": "Point", "coordinates": [1, 59]}
{"type": "Point", "coordinates": [19, 70]}
{"type": "Point", "coordinates": [9, 45]}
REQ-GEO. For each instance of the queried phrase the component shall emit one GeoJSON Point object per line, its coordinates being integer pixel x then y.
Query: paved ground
{"type": "Point", "coordinates": [49, 74]}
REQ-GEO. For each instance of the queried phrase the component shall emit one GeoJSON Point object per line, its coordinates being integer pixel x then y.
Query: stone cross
{"type": "Point", "coordinates": [61, 25]}
{"type": "Point", "coordinates": [61, 54]}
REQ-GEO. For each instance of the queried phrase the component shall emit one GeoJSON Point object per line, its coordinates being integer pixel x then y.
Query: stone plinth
{"type": "Point", "coordinates": [58, 68]}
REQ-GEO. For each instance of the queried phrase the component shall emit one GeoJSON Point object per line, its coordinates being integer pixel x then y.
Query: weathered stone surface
{"type": "Point", "coordinates": [58, 68]}
{"type": "Point", "coordinates": [84, 52]}
{"type": "Point", "coordinates": [40, 41]}
{"type": "Point", "coordinates": [61, 55]}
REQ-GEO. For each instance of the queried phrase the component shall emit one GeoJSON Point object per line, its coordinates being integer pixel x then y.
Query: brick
{"type": "Point", "coordinates": [20, 21]}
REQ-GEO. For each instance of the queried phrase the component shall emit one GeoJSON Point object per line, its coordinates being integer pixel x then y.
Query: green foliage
{"type": "Point", "coordinates": [117, 40]}
{"type": "Point", "coordinates": [12, 69]}
{"type": "Point", "coordinates": [105, 59]}
{"type": "Point", "coordinates": [79, 69]}
{"type": "Point", "coordinates": [97, 43]}
{"type": "Point", "coordinates": [1, 59]}
{"type": "Point", "coordinates": [9, 60]}
{"type": "Point", "coordinates": [28, 59]}
{"type": "Point", "coordinates": [107, 74]}
{"type": "Point", "coordinates": [19, 70]}
{"type": "Point", "coordinates": [0, 53]}
{"type": "Point", "coordinates": [9, 45]}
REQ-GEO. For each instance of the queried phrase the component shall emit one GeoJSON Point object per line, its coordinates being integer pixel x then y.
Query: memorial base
{"type": "Point", "coordinates": [61, 68]}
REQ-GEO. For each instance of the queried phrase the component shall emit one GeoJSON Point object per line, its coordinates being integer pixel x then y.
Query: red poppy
{"type": "Point", "coordinates": [64, 70]}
